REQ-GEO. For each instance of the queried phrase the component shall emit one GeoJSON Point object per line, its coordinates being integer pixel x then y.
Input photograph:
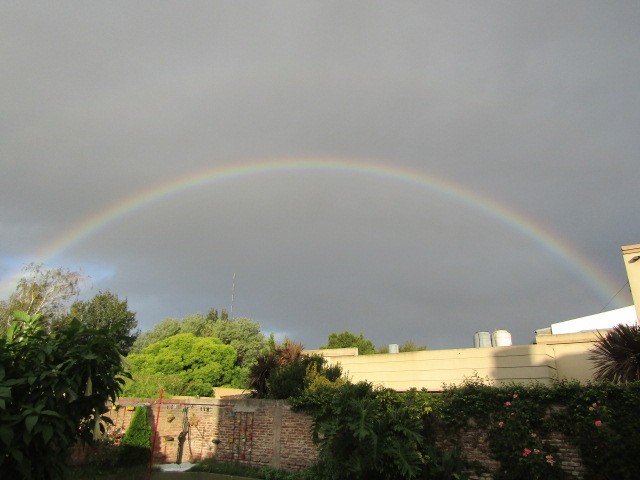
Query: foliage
{"type": "Point", "coordinates": [408, 346]}
{"type": "Point", "coordinates": [148, 385]}
{"type": "Point", "coordinates": [43, 292]}
{"type": "Point", "coordinates": [349, 340]}
{"type": "Point", "coordinates": [617, 355]}
{"type": "Point", "coordinates": [136, 444]}
{"type": "Point", "coordinates": [275, 358]}
{"type": "Point", "coordinates": [445, 464]}
{"type": "Point", "coordinates": [211, 465]}
{"type": "Point", "coordinates": [265, 365]}
{"type": "Point", "coordinates": [200, 362]}
{"type": "Point", "coordinates": [106, 310]}
{"type": "Point", "coordinates": [367, 432]}
{"type": "Point", "coordinates": [598, 418]}
{"type": "Point", "coordinates": [516, 436]}
{"type": "Point", "coordinates": [243, 334]}
{"type": "Point", "coordinates": [53, 386]}
{"type": "Point", "coordinates": [164, 329]}
{"type": "Point", "coordinates": [602, 420]}
{"type": "Point", "coordinates": [196, 324]}
{"type": "Point", "coordinates": [292, 379]}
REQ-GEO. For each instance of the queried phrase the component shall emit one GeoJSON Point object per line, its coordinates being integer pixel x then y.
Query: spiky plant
{"type": "Point", "coordinates": [616, 355]}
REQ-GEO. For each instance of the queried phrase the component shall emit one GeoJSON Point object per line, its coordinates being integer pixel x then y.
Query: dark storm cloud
{"type": "Point", "coordinates": [534, 105]}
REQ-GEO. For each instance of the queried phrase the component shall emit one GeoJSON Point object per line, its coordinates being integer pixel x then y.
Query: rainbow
{"type": "Point", "coordinates": [570, 256]}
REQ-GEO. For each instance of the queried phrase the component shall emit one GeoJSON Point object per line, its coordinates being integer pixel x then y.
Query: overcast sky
{"type": "Point", "coordinates": [530, 107]}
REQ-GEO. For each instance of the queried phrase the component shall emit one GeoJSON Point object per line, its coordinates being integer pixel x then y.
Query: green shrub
{"type": "Point", "coordinates": [367, 432]}
{"type": "Point", "coordinates": [600, 419]}
{"type": "Point", "coordinates": [136, 444]}
{"type": "Point", "coordinates": [293, 378]}
{"type": "Point", "coordinates": [53, 386]}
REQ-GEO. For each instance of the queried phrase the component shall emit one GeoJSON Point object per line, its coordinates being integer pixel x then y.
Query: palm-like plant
{"type": "Point", "coordinates": [616, 355]}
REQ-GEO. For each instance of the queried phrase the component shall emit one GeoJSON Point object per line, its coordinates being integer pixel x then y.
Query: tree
{"type": "Point", "coordinates": [44, 292]}
{"type": "Point", "coordinates": [350, 340]}
{"type": "Point", "coordinates": [53, 386]}
{"type": "Point", "coordinates": [106, 310]}
{"type": "Point", "coordinates": [200, 362]}
{"type": "Point", "coordinates": [292, 379]}
{"type": "Point", "coordinates": [616, 355]}
{"type": "Point", "coordinates": [271, 360]}
{"type": "Point", "coordinates": [198, 325]}
{"type": "Point", "coordinates": [165, 329]}
{"type": "Point", "coordinates": [244, 335]}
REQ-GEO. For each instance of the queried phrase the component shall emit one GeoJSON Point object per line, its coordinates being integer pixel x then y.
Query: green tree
{"type": "Point", "coordinates": [201, 362]}
{"type": "Point", "coordinates": [244, 335]}
{"type": "Point", "coordinates": [198, 325]}
{"type": "Point", "coordinates": [42, 291]}
{"type": "Point", "coordinates": [349, 340]}
{"type": "Point", "coordinates": [276, 356]}
{"type": "Point", "coordinates": [616, 355]}
{"type": "Point", "coordinates": [164, 329]}
{"type": "Point", "coordinates": [53, 386]}
{"type": "Point", "coordinates": [106, 310]}
{"type": "Point", "coordinates": [293, 378]}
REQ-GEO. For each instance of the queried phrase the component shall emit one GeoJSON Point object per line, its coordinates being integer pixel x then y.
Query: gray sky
{"type": "Point", "coordinates": [534, 106]}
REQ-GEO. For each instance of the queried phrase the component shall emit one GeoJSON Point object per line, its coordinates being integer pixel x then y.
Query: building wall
{"type": "Point", "coordinates": [433, 369]}
{"type": "Point", "coordinates": [552, 357]}
{"type": "Point", "coordinates": [632, 265]}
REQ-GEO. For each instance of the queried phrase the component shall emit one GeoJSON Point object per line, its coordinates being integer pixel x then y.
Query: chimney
{"type": "Point", "coordinates": [631, 258]}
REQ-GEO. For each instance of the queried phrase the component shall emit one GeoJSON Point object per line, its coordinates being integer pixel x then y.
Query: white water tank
{"type": "Point", "coordinates": [501, 338]}
{"type": "Point", "coordinates": [481, 339]}
{"type": "Point", "coordinates": [394, 348]}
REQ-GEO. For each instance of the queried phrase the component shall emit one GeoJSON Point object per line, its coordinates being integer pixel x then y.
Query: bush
{"type": "Point", "coordinates": [136, 444]}
{"type": "Point", "coordinates": [53, 387]}
{"type": "Point", "coordinates": [367, 432]}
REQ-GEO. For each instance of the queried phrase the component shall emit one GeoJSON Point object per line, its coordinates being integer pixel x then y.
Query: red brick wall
{"type": "Point", "coordinates": [267, 432]}
{"type": "Point", "coordinates": [259, 432]}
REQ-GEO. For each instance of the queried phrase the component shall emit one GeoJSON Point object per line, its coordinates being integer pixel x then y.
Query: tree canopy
{"type": "Point", "coordinates": [243, 334]}
{"type": "Point", "coordinates": [349, 340]}
{"type": "Point", "coordinates": [42, 291]}
{"type": "Point", "coordinates": [200, 363]}
{"type": "Point", "coordinates": [106, 310]}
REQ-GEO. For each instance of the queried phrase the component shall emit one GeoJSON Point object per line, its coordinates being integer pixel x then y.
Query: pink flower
{"type": "Point", "coordinates": [501, 424]}
{"type": "Point", "coordinates": [508, 404]}
{"type": "Point", "coordinates": [550, 460]}
{"type": "Point", "coordinates": [515, 395]}
{"type": "Point", "coordinates": [598, 423]}
{"type": "Point", "coordinates": [536, 451]}
{"type": "Point", "coordinates": [526, 452]}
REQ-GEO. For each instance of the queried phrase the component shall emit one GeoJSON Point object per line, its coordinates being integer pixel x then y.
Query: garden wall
{"type": "Point", "coordinates": [258, 432]}
{"type": "Point", "coordinates": [268, 433]}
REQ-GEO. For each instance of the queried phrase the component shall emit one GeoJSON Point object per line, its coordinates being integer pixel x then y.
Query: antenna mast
{"type": "Point", "coordinates": [233, 292]}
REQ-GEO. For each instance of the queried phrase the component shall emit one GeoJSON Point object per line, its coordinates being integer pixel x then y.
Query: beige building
{"type": "Point", "coordinates": [559, 352]}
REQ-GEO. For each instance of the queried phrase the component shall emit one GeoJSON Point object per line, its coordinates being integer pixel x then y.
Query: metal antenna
{"type": "Point", "coordinates": [233, 292]}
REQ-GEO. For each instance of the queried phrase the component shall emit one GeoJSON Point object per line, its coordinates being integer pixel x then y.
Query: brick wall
{"type": "Point", "coordinates": [267, 432]}
{"type": "Point", "coordinates": [259, 432]}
